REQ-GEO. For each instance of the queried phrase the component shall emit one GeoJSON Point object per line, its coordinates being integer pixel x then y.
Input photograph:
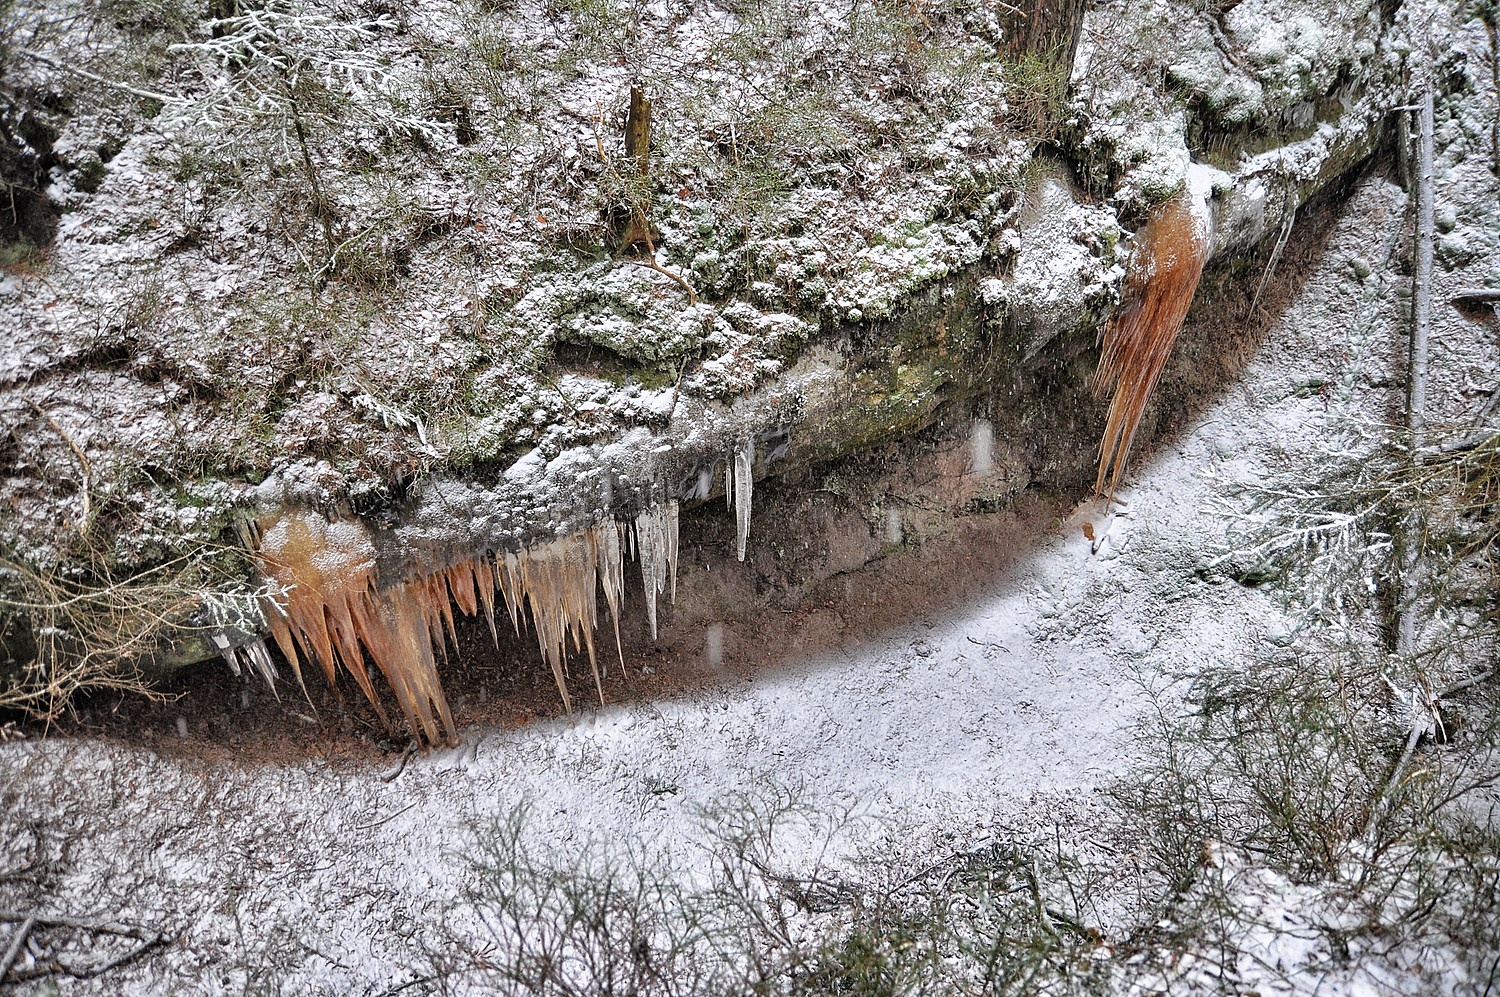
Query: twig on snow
{"type": "Point", "coordinates": [400, 766]}
{"type": "Point", "coordinates": [1462, 684]}
{"type": "Point", "coordinates": [13, 950]}
{"type": "Point", "coordinates": [144, 937]}
{"type": "Point", "coordinates": [102, 81]}
{"type": "Point", "coordinates": [83, 462]}
{"type": "Point", "coordinates": [386, 819]}
{"type": "Point", "coordinates": [1472, 296]}
{"type": "Point", "coordinates": [1478, 434]}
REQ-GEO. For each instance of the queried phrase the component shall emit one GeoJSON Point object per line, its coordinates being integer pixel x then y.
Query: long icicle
{"type": "Point", "coordinates": [327, 571]}
{"type": "Point", "coordinates": [651, 543]}
{"type": "Point", "coordinates": [1164, 276]}
{"type": "Point", "coordinates": [670, 525]}
{"type": "Point", "coordinates": [744, 483]}
{"type": "Point", "coordinates": [612, 575]}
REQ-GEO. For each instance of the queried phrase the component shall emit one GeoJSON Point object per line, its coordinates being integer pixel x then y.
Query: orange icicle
{"type": "Point", "coordinates": [461, 584]}
{"type": "Point", "coordinates": [484, 583]}
{"type": "Point", "coordinates": [276, 622]}
{"type": "Point", "coordinates": [333, 611]}
{"type": "Point", "coordinates": [333, 614]}
{"type": "Point", "coordinates": [1174, 246]}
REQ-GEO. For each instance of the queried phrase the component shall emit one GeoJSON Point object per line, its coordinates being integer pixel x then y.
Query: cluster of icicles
{"type": "Point", "coordinates": [329, 609]}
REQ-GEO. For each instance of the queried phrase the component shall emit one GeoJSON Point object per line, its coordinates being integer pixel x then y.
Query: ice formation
{"type": "Point", "coordinates": [333, 612]}
{"type": "Point", "coordinates": [559, 582]}
{"type": "Point", "coordinates": [1174, 245]}
{"type": "Point", "coordinates": [982, 447]}
{"type": "Point", "coordinates": [656, 548]}
{"type": "Point", "coordinates": [331, 607]}
{"type": "Point", "coordinates": [253, 655]}
{"type": "Point", "coordinates": [739, 480]}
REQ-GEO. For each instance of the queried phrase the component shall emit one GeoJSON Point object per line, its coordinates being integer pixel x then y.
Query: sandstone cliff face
{"type": "Point", "coordinates": [380, 285]}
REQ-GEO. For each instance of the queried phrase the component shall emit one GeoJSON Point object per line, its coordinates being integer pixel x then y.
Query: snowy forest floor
{"type": "Point", "coordinates": [1028, 715]}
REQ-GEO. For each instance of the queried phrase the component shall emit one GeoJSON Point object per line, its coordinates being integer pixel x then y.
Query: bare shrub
{"type": "Point", "coordinates": [1004, 918]}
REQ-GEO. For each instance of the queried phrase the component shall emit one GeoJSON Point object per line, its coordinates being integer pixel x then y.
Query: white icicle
{"type": "Point", "coordinates": [611, 563]}
{"type": "Point", "coordinates": [671, 529]}
{"type": "Point", "coordinates": [656, 541]}
{"type": "Point", "coordinates": [260, 660]}
{"type": "Point", "coordinates": [744, 481]}
{"type": "Point", "coordinates": [228, 653]}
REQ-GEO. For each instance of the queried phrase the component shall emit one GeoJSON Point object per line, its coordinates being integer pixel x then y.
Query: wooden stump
{"type": "Point", "coordinates": [635, 228]}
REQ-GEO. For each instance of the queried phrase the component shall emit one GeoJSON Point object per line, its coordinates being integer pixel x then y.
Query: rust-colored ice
{"type": "Point", "coordinates": [1163, 278]}
{"type": "Point", "coordinates": [334, 612]}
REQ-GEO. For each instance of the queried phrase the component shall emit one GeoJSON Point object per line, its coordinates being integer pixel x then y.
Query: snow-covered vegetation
{"type": "Point", "coordinates": [320, 254]}
{"type": "Point", "coordinates": [327, 214]}
{"type": "Point", "coordinates": [491, 293]}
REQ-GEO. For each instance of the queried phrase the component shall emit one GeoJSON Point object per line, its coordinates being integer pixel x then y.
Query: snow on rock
{"type": "Point", "coordinates": [434, 331]}
{"type": "Point", "coordinates": [1064, 263]}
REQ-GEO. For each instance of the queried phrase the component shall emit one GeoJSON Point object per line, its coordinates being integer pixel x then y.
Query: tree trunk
{"type": "Point", "coordinates": [1416, 378]}
{"type": "Point", "coordinates": [1493, 32]}
{"type": "Point", "coordinates": [1416, 411]}
{"type": "Point", "coordinates": [636, 225]}
{"type": "Point", "coordinates": [1412, 570]}
{"type": "Point", "coordinates": [1045, 29]}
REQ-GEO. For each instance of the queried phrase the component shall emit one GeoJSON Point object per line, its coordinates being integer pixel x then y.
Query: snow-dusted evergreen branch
{"type": "Point", "coordinates": [267, 59]}
{"type": "Point", "coordinates": [1330, 548]}
{"type": "Point", "coordinates": [1330, 536]}
{"type": "Point", "coordinates": [282, 83]}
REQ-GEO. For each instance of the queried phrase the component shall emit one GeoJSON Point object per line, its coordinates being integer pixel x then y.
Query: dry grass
{"type": "Point", "coordinates": [80, 635]}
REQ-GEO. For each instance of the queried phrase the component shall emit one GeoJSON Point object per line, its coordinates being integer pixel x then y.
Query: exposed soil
{"type": "Point", "coordinates": [504, 683]}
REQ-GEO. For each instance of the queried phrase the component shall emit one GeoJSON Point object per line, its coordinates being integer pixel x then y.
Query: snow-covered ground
{"type": "Point", "coordinates": [1009, 714]}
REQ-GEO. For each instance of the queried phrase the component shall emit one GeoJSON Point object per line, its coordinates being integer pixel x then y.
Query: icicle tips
{"type": "Point", "coordinates": [333, 613]}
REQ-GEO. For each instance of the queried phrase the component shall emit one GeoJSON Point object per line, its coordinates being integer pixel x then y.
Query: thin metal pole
{"type": "Point", "coordinates": [1416, 412]}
